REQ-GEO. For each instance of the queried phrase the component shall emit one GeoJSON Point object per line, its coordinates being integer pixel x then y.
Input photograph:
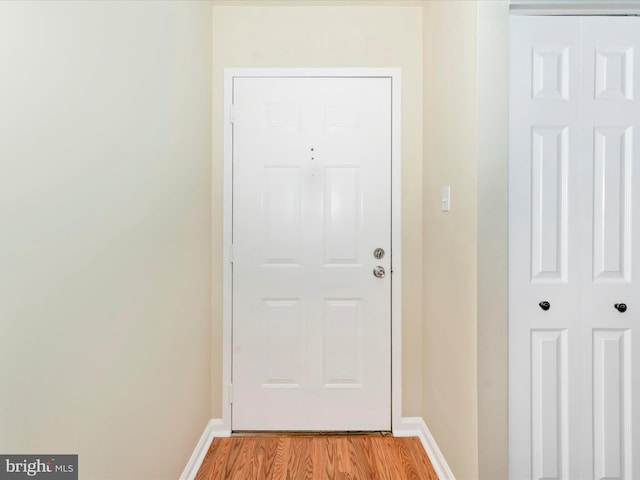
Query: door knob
{"type": "Point", "coordinates": [378, 271]}
{"type": "Point", "coordinates": [545, 305]}
{"type": "Point", "coordinates": [621, 307]}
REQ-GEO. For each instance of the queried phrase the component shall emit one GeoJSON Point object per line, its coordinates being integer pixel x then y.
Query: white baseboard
{"type": "Point", "coordinates": [409, 427]}
{"type": "Point", "coordinates": [215, 428]}
{"type": "Point", "coordinates": [416, 427]}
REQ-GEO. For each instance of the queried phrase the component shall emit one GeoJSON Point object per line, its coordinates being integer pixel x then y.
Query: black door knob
{"type": "Point", "coordinates": [545, 305]}
{"type": "Point", "coordinates": [621, 307]}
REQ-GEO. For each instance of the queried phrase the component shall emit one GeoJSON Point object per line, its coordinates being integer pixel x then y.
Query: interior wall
{"type": "Point", "coordinates": [450, 250]}
{"type": "Point", "coordinates": [331, 34]}
{"type": "Point", "coordinates": [493, 146]}
{"type": "Point", "coordinates": [105, 204]}
{"type": "Point", "coordinates": [106, 192]}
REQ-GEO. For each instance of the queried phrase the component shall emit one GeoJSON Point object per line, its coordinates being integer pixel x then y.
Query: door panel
{"type": "Point", "coordinates": [281, 215]}
{"type": "Point", "coordinates": [612, 161]}
{"type": "Point", "coordinates": [342, 215]}
{"type": "Point", "coordinates": [610, 122]}
{"type": "Point", "coordinates": [281, 336]}
{"type": "Point", "coordinates": [549, 215]}
{"type": "Point", "coordinates": [342, 342]}
{"type": "Point", "coordinates": [612, 403]}
{"type": "Point", "coordinates": [544, 345]}
{"type": "Point", "coordinates": [311, 202]}
{"type": "Point", "coordinates": [549, 404]}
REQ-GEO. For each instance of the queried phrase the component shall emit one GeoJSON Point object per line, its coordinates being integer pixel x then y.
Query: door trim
{"type": "Point", "coordinates": [396, 237]}
{"type": "Point", "coordinates": [574, 7]}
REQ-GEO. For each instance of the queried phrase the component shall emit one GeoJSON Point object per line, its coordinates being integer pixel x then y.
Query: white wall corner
{"type": "Point", "coordinates": [416, 427]}
{"type": "Point", "coordinates": [215, 428]}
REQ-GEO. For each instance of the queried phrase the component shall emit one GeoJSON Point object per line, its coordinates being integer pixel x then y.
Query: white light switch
{"type": "Point", "coordinates": [446, 198]}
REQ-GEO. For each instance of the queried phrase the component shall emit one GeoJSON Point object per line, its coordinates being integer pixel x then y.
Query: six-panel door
{"type": "Point", "coordinates": [574, 202]}
{"type": "Point", "coordinates": [311, 203]}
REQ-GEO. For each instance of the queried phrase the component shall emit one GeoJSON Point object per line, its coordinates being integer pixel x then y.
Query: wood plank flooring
{"type": "Point", "coordinates": [318, 457]}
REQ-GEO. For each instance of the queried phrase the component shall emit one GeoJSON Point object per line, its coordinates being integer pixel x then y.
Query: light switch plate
{"type": "Point", "coordinates": [446, 198]}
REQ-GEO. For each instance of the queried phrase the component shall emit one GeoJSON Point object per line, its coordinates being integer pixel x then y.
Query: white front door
{"type": "Point", "coordinates": [574, 227]}
{"type": "Point", "coordinates": [311, 204]}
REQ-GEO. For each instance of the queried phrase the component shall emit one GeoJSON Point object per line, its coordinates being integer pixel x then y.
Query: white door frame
{"type": "Point", "coordinates": [396, 237]}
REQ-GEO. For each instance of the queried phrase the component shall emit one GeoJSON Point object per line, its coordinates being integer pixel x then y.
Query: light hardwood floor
{"type": "Point", "coordinates": [322, 457]}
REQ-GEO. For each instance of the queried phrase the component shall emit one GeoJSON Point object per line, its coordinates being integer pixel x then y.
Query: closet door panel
{"type": "Point", "coordinates": [544, 249]}
{"type": "Point", "coordinates": [610, 235]}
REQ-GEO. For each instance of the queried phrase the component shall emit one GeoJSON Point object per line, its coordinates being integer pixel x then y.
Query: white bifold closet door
{"type": "Point", "coordinates": [574, 228]}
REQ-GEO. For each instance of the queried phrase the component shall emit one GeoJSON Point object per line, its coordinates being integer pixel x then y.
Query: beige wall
{"type": "Point", "coordinates": [333, 36]}
{"type": "Point", "coordinates": [493, 152]}
{"type": "Point", "coordinates": [111, 206]}
{"type": "Point", "coordinates": [450, 250]}
{"type": "Point", "coordinates": [105, 247]}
